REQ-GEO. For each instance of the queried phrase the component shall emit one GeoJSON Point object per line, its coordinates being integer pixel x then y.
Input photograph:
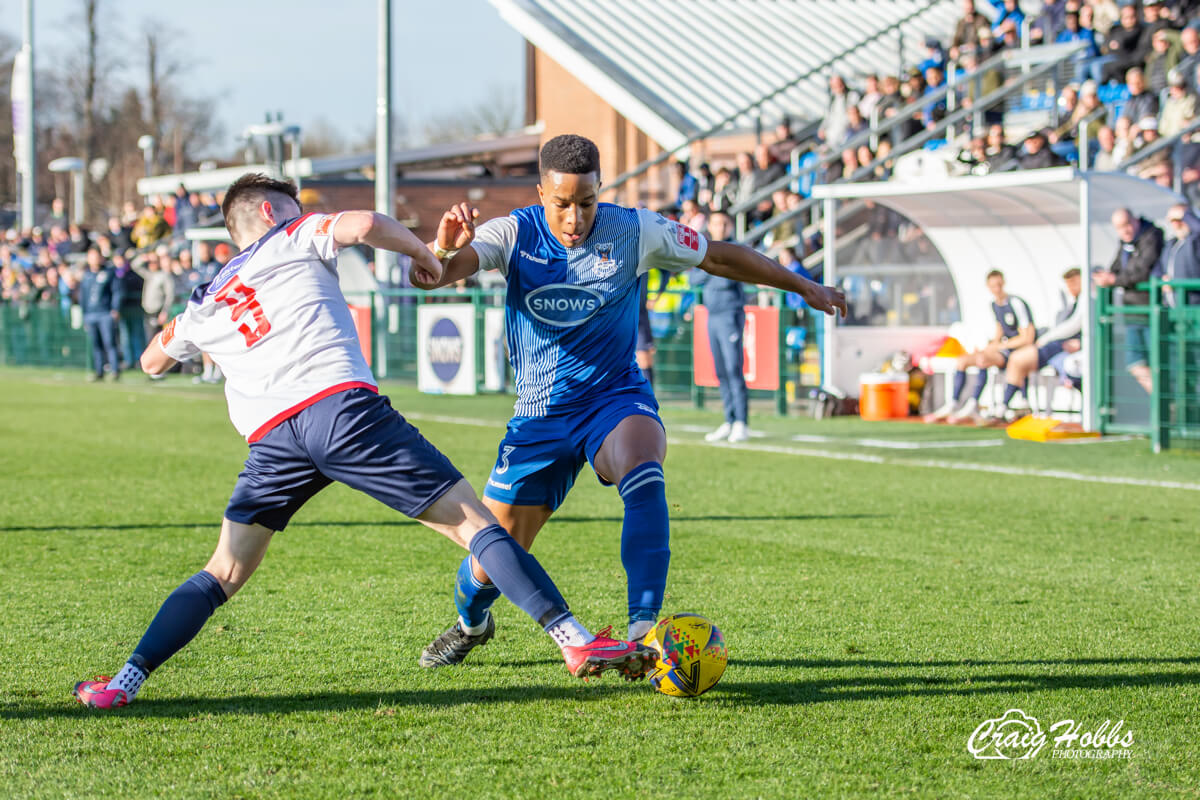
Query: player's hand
{"type": "Point", "coordinates": [827, 299]}
{"type": "Point", "coordinates": [426, 272]}
{"type": "Point", "coordinates": [457, 227]}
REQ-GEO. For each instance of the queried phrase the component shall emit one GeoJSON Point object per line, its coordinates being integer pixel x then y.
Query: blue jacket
{"type": "Point", "coordinates": [100, 292]}
{"type": "Point", "coordinates": [721, 295]}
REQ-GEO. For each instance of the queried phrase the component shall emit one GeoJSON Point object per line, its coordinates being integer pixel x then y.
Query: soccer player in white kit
{"type": "Point", "coordinates": [300, 391]}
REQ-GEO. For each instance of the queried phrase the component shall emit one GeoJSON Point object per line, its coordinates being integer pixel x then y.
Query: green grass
{"type": "Point", "coordinates": [876, 613]}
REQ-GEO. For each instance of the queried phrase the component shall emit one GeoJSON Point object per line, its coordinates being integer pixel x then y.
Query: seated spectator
{"type": "Point", "coordinates": [974, 156]}
{"type": "Point", "coordinates": [1074, 31]}
{"type": "Point", "coordinates": [933, 112]}
{"type": "Point", "coordinates": [1180, 108]}
{"type": "Point", "coordinates": [1064, 336]}
{"type": "Point", "coordinates": [855, 124]}
{"type": "Point", "coordinates": [1140, 248]}
{"type": "Point", "coordinates": [747, 178]}
{"type": "Point", "coordinates": [724, 191]}
{"type": "Point", "coordinates": [1087, 105]}
{"type": "Point", "coordinates": [1164, 56]}
{"type": "Point", "coordinates": [1159, 169]}
{"type": "Point", "coordinates": [704, 185]}
{"type": "Point", "coordinates": [690, 215]}
{"type": "Point", "coordinates": [785, 142]}
{"type": "Point", "coordinates": [966, 31]}
{"type": "Point", "coordinates": [1126, 140]}
{"type": "Point", "coordinates": [1014, 329]}
{"type": "Point", "coordinates": [1145, 133]}
{"type": "Point", "coordinates": [1121, 48]}
{"type": "Point", "coordinates": [1181, 257]}
{"type": "Point", "coordinates": [206, 263]}
{"type": "Point", "coordinates": [119, 234]}
{"type": "Point", "coordinates": [1141, 103]}
{"type": "Point", "coordinates": [1036, 154]}
{"type": "Point", "coordinates": [999, 153]}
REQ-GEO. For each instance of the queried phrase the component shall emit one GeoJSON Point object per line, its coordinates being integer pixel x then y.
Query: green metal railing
{"type": "Point", "coordinates": [1166, 338]}
{"type": "Point", "coordinates": [45, 336]}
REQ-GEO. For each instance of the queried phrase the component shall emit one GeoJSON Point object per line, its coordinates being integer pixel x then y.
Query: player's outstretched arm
{"type": "Point", "coordinates": [456, 231]}
{"type": "Point", "coordinates": [383, 232]}
{"type": "Point", "coordinates": [739, 263]}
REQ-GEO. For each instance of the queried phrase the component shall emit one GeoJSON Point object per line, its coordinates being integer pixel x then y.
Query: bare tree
{"type": "Point", "coordinates": [498, 114]}
{"type": "Point", "coordinates": [322, 138]}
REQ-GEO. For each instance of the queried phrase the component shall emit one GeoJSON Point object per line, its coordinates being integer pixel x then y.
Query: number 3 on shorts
{"type": "Point", "coordinates": [241, 298]}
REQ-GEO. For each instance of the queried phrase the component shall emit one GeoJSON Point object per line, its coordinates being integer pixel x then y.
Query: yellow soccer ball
{"type": "Point", "coordinates": [691, 655]}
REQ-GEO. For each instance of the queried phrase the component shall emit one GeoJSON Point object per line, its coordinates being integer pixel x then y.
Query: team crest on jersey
{"type": "Point", "coordinates": [606, 265]}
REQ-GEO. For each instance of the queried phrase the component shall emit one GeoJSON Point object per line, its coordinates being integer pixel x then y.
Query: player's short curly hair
{"type": "Point", "coordinates": [569, 154]}
{"type": "Point", "coordinates": [248, 191]}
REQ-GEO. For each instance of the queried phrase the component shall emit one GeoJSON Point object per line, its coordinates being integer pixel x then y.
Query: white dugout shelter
{"type": "Point", "coordinates": [1031, 225]}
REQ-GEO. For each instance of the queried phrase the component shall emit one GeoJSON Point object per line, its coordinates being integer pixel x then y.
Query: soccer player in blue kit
{"type": "Point", "coordinates": [573, 267]}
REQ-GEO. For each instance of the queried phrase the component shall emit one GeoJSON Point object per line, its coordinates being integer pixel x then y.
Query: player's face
{"type": "Point", "coordinates": [570, 202]}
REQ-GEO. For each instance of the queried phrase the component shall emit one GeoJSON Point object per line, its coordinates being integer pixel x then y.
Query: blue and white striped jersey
{"type": "Point", "coordinates": [571, 314]}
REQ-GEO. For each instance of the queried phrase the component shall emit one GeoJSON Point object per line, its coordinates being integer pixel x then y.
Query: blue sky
{"type": "Point", "coordinates": [309, 59]}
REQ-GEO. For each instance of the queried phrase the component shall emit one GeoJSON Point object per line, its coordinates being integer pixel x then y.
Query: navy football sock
{"type": "Point", "coordinates": [960, 380]}
{"type": "Point", "coordinates": [980, 384]}
{"type": "Point", "coordinates": [518, 575]}
{"type": "Point", "coordinates": [472, 598]}
{"type": "Point", "coordinates": [1010, 391]}
{"type": "Point", "coordinates": [645, 537]}
{"type": "Point", "coordinates": [179, 619]}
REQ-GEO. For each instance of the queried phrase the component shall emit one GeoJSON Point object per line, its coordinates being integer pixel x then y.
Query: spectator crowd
{"type": "Point", "coordinates": [123, 279]}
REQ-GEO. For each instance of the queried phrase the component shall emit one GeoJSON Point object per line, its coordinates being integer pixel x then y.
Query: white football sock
{"type": "Point", "coordinates": [567, 632]}
{"type": "Point", "coordinates": [639, 628]}
{"type": "Point", "coordinates": [130, 679]}
{"type": "Point", "coordinates": [474, 630]}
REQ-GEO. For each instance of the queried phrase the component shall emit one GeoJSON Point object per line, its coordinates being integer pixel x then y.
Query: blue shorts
{"type": "Point", "coordinates": [1137, 344]}
{"type": "Point", "coordinates": [540, 457]}
{"type": "Point", "coordinates": [353, 437]}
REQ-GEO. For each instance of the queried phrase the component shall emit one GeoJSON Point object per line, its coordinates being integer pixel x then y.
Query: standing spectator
{"type": "Point", "coordinates": [833, 129]}
{"type": "Point", "coordinates": [1051, 21]}
{"type": "Point", "coordinates": [1164, 56]}
{"type": "Point", "coordinates": [1008, 21]}
{"type": "Point", "coordinates": [1141, 246]}
{"type": "Point", "coordinates": [149, 228]}
{"type": "Point", "coordinates": [1103, 14]}
{"type": "Point", "coordinates": [704, 185]}
{"type": "Point", "coordinates": [1180, 108]}
{"type": "Point", "coordinates": [57, 216]}
{"type": "Point", "coordinates": [933, 111]}
{"type": "Point", "coordinates": [1141, 103]}
{"type": "Point", "coordinates": [966, 31]}
{"type": "Point", "coordinates": [724, 192]}
{"type": "Point", "coordinates": [855, 124]}
{"type": "Point", "coordinates": [1121, 47]}
{"type": "Point", "coordinates": [100, 299]}
{"type": "Point", "coordinates": [131, 324]}
{"type": "Point", "coordinates": [688, 187]}
{"type": "Point", "coordinates": [870, 97]}
{"type": "Point", "coordinates": [769, 170]}
{"type": "Point", "coordinates": [206, 264]}
{"type": "Point", "coordinates": [185, 215]}
{"type": "Point", "coordinates": [691, 216]}
{"type": "Point", "coordinates": [1181, 259]}
{"type": "Point", "coordinates": [158, 293]}
{"type": "Point", "coordinates": [725, 300]}
{"type": "Point", "coordinates": [935, 56]}
{"type": "Point", "coordinates": [1189, 45]}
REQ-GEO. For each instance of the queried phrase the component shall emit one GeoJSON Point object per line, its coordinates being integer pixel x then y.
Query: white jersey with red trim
{"type": "Point", "coordinates": [275, 320]}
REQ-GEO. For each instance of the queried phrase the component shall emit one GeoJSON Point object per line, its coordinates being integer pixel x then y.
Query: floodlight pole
{"type": "Point", "coordinates": [28, 169]}
{"type": "Point", "coordinates": [383, 159]}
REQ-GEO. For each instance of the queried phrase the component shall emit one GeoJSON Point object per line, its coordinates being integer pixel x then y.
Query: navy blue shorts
{"type": "Point", "coordinates": [353, 437]}
{"type": "Point", "coordinates": [540, 457]}
{"type": "Point", "coordinates": [1049, 351]}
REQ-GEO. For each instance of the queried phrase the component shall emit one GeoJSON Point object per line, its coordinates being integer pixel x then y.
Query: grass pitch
{"type": "Point", "coordinates": [878, 607]}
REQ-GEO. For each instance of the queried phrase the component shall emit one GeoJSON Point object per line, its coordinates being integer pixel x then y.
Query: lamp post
{"type": "Point", "coordinates": [146, 144]}
{"type": "Point", "coordinates": [75, 166]}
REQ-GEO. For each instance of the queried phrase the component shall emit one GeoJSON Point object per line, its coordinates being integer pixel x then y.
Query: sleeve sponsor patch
{"type": "Point", "coordinates": [168, 333]}
{"type": "Point", "coordinates": [687, 237]}
{"type": "Point", "coordinates": [324, 225]}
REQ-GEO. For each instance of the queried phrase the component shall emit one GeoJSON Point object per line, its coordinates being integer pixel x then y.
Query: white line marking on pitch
{"type": "Point", "coordinates": [897, 445]}
{"type": "Point", "coordinates": [867, 458]}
